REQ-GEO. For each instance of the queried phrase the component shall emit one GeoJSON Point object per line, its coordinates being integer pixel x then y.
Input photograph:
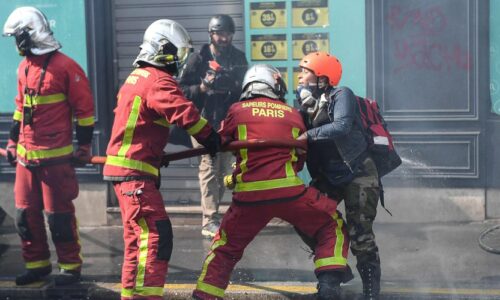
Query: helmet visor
{"type": "Point", "coordinates": [183, 54]}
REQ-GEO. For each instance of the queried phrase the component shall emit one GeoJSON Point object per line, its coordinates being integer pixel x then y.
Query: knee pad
{"type": "Point", "coordinates": [61, 227]}
{"type": "Point", "coordinates": [22, 224]}
{"type": "Point", "coordinates": [166, 239]}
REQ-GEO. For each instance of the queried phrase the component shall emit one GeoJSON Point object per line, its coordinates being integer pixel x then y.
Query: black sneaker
{"type": "Point", "coordinates": [33, 275]}
{"type": "Point", "coordinates": [210, 229]}
{"type": "Point", "coordinates": [66, 277]}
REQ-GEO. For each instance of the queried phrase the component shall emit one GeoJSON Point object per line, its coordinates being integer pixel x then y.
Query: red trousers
{"type": "Point", "coordinates": [313, 214]}
{"type": "Point", "coordinates": [147, 235]}
{"type": "Point", "coordinates": [49, 188]}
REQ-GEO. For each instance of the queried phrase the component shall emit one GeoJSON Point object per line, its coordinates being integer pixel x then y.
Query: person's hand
{"type": "Point", "coordinates": [212, 143]}
{"type": "Point", "coordinates": [303, 138]}
{"type": "Point", "coordinates": [207, 82]}
{"type": "Point", "coordinates": [81, 157]}
{"type": "Point", "coordinates": [305, 96]}
{"type": "Point", "coordinates": [164, 162]}
{"type": "Point", "coordinates": [11, 150]}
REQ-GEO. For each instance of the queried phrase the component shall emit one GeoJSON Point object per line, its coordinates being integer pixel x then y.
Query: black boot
{"type": "Point", "coordinates": [370, 273]}
{"type": "Point", "coordinates": [329, 285]}
{"type": "Point", "coordinates": [33, 275]}
{"type": "Point", "coordinates": [66, 277]}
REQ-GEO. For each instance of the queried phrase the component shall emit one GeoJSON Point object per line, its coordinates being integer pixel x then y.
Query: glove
{"type": "Point", "coordinates": [306, 99]}
{"type": "Point", "coordinates": [212, 143]}
{"type": "Point", "coordinates": [11, 150]}
{"type": "Point", "coordinates": [207, 83]}
{"type": "Point", "coordinates": [302, 137]}
{"type": "Point", "coordinates": [81, 157]}
{"type": "Point", "coordinates": [164, 162]}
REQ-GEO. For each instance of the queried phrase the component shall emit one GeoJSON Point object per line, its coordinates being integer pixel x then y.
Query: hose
{"type": "Point", "coordinates": [482, 236]}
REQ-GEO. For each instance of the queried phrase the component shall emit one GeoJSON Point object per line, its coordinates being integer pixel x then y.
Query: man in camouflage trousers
{"type": "Point", "coordinates": [338, 158]}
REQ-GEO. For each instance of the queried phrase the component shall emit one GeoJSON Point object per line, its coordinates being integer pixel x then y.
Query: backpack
{"type": "Point", "coordinates": [380, 144]}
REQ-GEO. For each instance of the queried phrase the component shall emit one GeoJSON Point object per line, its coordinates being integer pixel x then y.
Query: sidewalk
{"type": "Point", "coordinates": [419, 261]}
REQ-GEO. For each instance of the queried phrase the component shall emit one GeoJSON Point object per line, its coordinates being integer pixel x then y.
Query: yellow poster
{"type": "Point", "coordinates": [311, 13]}
{"type": "Point", "coordinates": [296, 72]}
{"type": "Point", "coordinates": [305, 43]}
{"type": "Point", "coordinates": [269, 47]}
{"type": "Point", "coordinates": [268, 15]}
{"type": "Point", "coordinates": [284, 74]}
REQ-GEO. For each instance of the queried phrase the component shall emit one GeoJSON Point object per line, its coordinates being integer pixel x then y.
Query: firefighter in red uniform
{"type": "Point", "coordinates": [266, 185]}
{"type": "Point", "coordinates": [149, 102]}
{"type": "Point", "coordinates": [52, 89]}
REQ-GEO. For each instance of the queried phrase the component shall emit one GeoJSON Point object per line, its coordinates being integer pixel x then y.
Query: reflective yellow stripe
{"type": "Point", "coordinates": [42, 154]}
{"type": "Point", "coordinates": [142, 291]}
{"type": "Point", "coordinates": [143, 253]}
{"type": "Point", "coordinates": [207, 288]}
{"type": "Point", "coordinates": [38, 264]}
{"type": "Point", "coordinates": [293, 157]}
{"type": "Point", "coordinates": [131, 164]}
{"type": "Point", "coordinates": [130, 127]}
{"type": "Point", "coordinates": [39, 100]}
{"type": "Point", "coordinates": [148, 291]}
{"type": "Point", "coordinates": [242, 136]}
{"type": "Point", "coordinates": [268, 184]}
{"type": "Point", "coordinates": [330, 261]}
{"type": "Point", "coordinates": [86, 121]}
{"type": "Point", "coordinates": [162, 122]}
{"type": "Point", "coordinates": [69, 266]}
{"type": "Point", "coordinates": [18, 116]}
{"type": "Point", "coordinates": [337, 259]}
{"type": "Point", "coordinates": [339, 243]}
{"type": "Point", "coordinates": [210, 289]}
{"type": "Point", "coordinates": [193, 130]}
{"type": "Point", "coordinates": [127, 292]}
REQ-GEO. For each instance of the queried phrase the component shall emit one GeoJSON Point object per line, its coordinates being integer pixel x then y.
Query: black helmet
{"type": "Point", "coordinates": [221, 23]}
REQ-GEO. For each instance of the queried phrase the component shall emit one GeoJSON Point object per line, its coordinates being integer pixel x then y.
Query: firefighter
{"type": "Point", "coordinates": [338, 158]}
{"type": "Point", "coordinates": [149, 102]}
{"type": "Point", "coordinates": [214, 90]}
{"type": "Point", "coordinates": [266, 185]}
{"type": "Point", "coordinates": [52, 89]}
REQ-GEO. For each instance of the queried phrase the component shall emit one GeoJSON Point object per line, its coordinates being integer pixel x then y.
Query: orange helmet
{"type": "Point", "coordinates": [323, 64]}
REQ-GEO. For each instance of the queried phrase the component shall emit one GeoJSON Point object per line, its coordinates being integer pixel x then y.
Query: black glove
{"type": "Point", "coordinates": [11, 153]}
{"type": "Point", "coordinates": [212, 143]}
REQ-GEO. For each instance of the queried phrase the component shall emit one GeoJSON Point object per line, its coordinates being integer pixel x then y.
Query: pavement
{"type": "Point", "coordinates": [419, 261]}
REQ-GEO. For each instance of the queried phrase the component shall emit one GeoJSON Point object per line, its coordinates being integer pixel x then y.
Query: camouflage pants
{"type": "Point", "coordinates": [361, 199]}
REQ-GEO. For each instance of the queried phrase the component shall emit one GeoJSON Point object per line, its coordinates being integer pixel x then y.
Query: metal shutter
{"type": "Point", "coordinates": [130, 19]}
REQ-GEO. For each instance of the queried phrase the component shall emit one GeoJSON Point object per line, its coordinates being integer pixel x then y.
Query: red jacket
{"type": "Point", "coordinates": [65, 93]}
{"type": "Point", "coordinates": [149, 101]}
{"type": "Point", "coordinates": [270, 173]}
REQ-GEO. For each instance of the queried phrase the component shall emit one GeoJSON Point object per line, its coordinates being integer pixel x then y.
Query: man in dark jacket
{"type": "Point", "coordinates": [212, 80]}
{"type": "Point", "coordinates": [338, 159]}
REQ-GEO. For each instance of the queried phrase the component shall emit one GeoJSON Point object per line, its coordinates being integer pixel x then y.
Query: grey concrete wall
{"type": "Point", "coordinates": [418, 205]}
{"type": "Point", "coordinates": [408, 205]}
{"type": "Point", "coordinates": [90, 205]}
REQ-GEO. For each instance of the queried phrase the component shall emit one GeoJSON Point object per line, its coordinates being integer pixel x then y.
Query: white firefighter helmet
{"type": "Point", "coordinates": [263, 80]}
{"type": "Point", "coordinates": [31, 29]}
{"type": "Point", "coordinates": [165, 43]}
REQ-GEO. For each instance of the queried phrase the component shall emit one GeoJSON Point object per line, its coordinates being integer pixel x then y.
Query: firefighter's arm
{"type": "Point", "coordinates": [15, 126]}
{"type": "Point", "coordinates": [166, 98]}
{"type": "Point", "coordinates": [82, 103]}
{"type": "Point", "coordinates": [343, 111]}
{"type": "Point", "coordinates": [227, 129]}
